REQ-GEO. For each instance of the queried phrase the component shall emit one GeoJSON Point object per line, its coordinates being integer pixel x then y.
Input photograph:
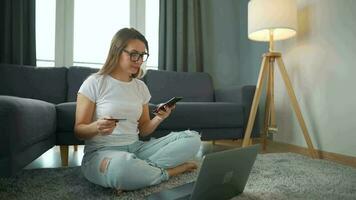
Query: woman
{"type": "Point", "coordinates": [113, 155]}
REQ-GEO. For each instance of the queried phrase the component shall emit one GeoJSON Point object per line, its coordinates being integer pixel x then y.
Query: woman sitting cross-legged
{"type": "Point", "coordinates": [113, 155]}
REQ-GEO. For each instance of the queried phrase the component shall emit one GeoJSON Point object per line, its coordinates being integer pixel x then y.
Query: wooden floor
{"type": "Point", "coordinates": [51, 159]}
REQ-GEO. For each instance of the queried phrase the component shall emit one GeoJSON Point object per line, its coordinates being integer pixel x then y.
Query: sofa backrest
{"type": "Point", "coordinates": [61, 84]}
{"type": "Point", "coordinates": [193, 86]}
{"type": "Point", "coordinates": [75, 78]}
{"type": "Point", "coordinates": [43, 83]}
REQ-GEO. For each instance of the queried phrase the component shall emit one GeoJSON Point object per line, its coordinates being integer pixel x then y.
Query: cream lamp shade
{"type": "Point", "coordinates": [272, 19]}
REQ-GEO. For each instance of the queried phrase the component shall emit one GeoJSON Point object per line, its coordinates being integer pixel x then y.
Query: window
{"type": "Point", "coordinates": [152, 24]}
{"type": "Point", "coordinates": [83, 29]}
{"type": "Point", "coordinates": [95, 23]}
{"type": "Point", "coordinates": [45, 32]}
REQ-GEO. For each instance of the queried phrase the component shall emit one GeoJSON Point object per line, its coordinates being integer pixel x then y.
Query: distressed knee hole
{"type": "Point", "coordinates": [104, 164]}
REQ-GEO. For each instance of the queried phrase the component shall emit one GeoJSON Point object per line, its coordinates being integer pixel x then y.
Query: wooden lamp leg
{"type": "Point", "coordinates": [255, 102]}
{"type": "Point", "coordinates": [296, 107]}
{"type": "Point", "coordinates": [267, 114]}
{"type": "Point", "coordinates": [272, 125]}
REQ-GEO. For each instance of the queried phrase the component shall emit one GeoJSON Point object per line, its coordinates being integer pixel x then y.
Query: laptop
{"type": "Point", "coordinates": [222, 175]}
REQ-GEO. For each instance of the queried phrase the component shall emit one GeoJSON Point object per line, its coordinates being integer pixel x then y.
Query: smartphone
{"type": "Point", "coordinates": [169, 103]}
{"type": "Point", "coordinates": [115, 119]}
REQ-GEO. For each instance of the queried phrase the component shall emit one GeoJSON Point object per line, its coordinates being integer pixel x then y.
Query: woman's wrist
{"type": "Point", "coordinates": [158, 118]}
{"type": "Point", "coordinates": [97, 128]}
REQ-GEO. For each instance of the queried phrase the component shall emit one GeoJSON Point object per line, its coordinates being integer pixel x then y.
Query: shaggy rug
{"type": "Point", "coordinates": [274, 176]}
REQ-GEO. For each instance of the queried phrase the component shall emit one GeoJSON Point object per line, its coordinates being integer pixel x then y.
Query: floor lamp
{"type": "Point", "coordinates": [268, 21]}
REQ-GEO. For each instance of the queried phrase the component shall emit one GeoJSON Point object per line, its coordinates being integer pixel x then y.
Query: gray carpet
{"type": "Point", "coordinates": [274, 176]}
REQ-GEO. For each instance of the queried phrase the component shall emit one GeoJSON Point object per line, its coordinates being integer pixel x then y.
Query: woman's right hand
{"type": "Point", "coordinates": [105, 126]}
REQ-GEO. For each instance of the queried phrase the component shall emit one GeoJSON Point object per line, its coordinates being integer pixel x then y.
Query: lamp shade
{"type": "Point", "coordinates": [278, 16]}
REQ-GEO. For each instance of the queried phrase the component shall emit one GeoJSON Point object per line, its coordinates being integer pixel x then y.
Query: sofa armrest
{"type": "Point", "coordinates": [241, 95]}
{"type": "Point", "coordinates": [24, 122]}
{"type": "Point", "coordinates": [238, 94]}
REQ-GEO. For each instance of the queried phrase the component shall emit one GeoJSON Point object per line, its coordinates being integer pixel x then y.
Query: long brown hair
{"type": "Point", "coordinates": [118, 44]}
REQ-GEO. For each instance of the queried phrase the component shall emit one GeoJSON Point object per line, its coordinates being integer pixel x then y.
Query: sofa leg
{"type": "Point", "coordinates": [64, 155]}
{"type": "Point", "coordinates": [75, 147]}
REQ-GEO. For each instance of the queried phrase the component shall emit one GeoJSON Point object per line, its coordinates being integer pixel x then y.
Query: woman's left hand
{"type": "Point", "coordinates": [164, 113]}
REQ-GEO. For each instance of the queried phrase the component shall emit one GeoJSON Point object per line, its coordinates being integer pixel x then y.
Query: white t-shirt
{"type": "Point", "coordinates": [117, 99]}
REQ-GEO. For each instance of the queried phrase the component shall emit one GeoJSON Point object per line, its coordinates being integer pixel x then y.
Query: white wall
{"type": "Point", "coordinates": [321, 63]}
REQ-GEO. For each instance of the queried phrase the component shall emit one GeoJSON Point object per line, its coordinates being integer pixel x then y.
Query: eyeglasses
{"type": "Point", "coordinates": [135, 56]}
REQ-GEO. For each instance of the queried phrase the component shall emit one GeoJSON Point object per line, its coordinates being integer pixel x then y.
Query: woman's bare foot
{"type": "Point", "coordinates": [190, 166]}
{"type": "Point", "coordinates": [185, 167]}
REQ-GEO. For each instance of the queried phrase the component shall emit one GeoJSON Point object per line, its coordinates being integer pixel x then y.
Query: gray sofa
{"type": "Point", "coordinates": [216, 114]}
{"type": "Point", "coordinates": [37, 109]}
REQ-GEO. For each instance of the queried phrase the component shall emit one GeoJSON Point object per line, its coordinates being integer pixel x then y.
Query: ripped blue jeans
{"type": "Point", "coordinates": [140, 164]}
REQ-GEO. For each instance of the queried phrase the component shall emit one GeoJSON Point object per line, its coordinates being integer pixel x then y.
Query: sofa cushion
{"type": "Point", "coordinates": [43, 83]}
{"type": "Point", "coordinates": [206, 134]}
{"type": "Point", "coordinates": [75, 78]}
{"type": "Point", "coordinates": [203, 115]}
{"type": "Point", "coordinates": [65, 124]}
{"type": "Point", "coordinates": [65, 116]}
{"type": "Point", "coordinates": [193, 86]}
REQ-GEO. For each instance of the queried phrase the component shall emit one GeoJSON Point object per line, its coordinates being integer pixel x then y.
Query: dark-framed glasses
{"type": "Point", "coordinates": [135, 56]}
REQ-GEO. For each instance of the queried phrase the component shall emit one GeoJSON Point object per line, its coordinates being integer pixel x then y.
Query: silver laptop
{"type": "Point", "coordinates": [222, 175]}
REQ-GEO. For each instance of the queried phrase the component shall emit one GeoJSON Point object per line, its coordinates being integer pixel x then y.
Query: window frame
{"type": "Point", "coordinates": [64, 30]}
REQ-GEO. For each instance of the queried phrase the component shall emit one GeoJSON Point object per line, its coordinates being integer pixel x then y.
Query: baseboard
{"type": "Point", "coordinates": [273, 146]}
{"type": "Point", "coordinates": [339, 158]}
